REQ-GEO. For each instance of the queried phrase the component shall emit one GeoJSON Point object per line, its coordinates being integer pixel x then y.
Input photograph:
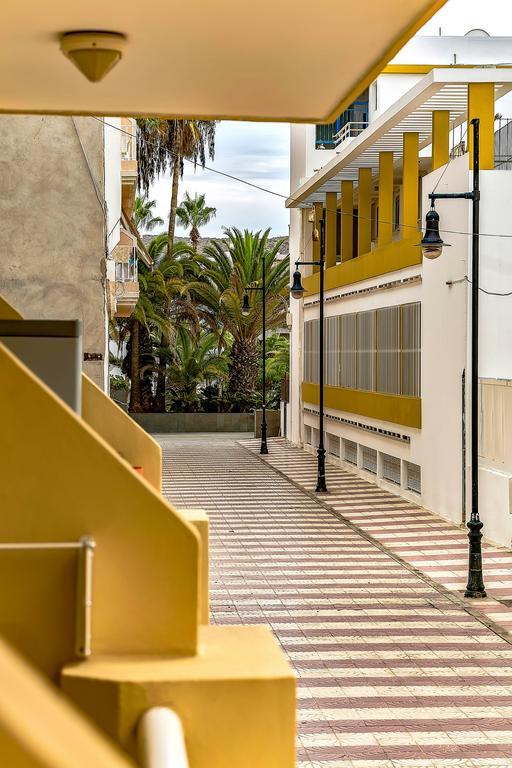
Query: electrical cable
{"type": "Point", "coordinates": [288, 197]}
{"type": "Point", "coordinates": [466, 279]}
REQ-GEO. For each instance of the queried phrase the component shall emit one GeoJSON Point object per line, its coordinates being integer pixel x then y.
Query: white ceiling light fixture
{"type": "Point", "coordinates": [94, 53]}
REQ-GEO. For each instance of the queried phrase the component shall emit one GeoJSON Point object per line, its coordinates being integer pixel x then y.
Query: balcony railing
{"type": "Point", "coordinates": [128, 147]}
{"type": "Point", "coordinates": [126, 271]}
{"type": "Point", "coordinates": [503, 143]}
{"type": "Point", "coordinates": [349, 131]}
{"type": "Point", "coordinates": [350, 123]}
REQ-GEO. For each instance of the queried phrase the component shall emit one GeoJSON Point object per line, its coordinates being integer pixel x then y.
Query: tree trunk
{"type": "Point", "coordinates": [174, 202]}
{"type": "Point", "coordinates": [135, 403]}
{"type": "Point", "coordinates": [160, 393]}
{"type": "Point", "coordinates": [242, 374]}
{"type": "Point", "coordinates": [194, 237]}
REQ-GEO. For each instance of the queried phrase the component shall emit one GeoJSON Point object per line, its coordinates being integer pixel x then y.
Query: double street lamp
{"type": "Point", "coordinates": [432, 246]}
{"type": "Point", "coordinates": [297, 291]}
{"type": "Point", "coordinates": [246, 309]}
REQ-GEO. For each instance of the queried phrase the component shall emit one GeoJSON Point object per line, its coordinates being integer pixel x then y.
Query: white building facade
{"type": "Point", "coordinates": [397, 344]}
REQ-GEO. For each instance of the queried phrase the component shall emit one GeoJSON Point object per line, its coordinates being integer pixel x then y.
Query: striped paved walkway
{"type": "Point", "coordinates": [436, 547]}
{"type": "Point", "coordinates": [392, 672]}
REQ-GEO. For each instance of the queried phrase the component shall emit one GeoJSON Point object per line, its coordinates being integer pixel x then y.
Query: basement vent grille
{"type": "Point", "coordinates": [369, 462]}
{"type": "Point", "coordinates": [413, 477]}
{"type": "Point", "coordinates": [391, 468]}
{"type": "Point", "coordinates": [333, 445]}
{"type": "Point", "coordinates": [362, 425]}
{"type": "Point", "coordinates": [350, 451]}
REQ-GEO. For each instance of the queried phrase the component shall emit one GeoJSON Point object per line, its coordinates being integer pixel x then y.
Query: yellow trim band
{"type": "Point", "coordinates": [397, 409]}
{"type": "Point", "coordinates": [381, 261]}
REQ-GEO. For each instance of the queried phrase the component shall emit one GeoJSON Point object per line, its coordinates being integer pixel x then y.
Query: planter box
{"type": "Point", "coordinates": [194, 422]}
{"type": "Point", "coordinates": [273, 423]}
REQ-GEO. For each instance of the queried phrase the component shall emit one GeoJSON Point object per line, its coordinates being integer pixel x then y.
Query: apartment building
{"type": "Point", "coordinates": [397, 346]}
{"type": "Point", "coordinates": [84, 212]}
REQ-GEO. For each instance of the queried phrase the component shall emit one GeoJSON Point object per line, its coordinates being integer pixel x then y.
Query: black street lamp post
{"type": "Point", "coordinates": [297, 291]}
{"type": "Point", "coordinates": [246, 308]}
{"type": "Point", "coordinates": [432, 245]}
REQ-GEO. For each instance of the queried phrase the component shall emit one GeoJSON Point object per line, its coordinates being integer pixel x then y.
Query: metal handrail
{"type": "Point", "coordinates": [83, 615]}
{"type": "Point", "coordinates": [160, 739]}
{"type": "Point", "coordinates": [350, 130]}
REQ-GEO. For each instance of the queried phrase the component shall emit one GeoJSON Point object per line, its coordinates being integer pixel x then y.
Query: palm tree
{"type": "Point", "coordinates": [163, 144]}
{"type": "Point", "coordinates": [143, 214]}
{"type": "Point", "coordinates": [194, 213]}
{"type": "Point", "coordinates": [166, 144]}
{"type": "Point", "coordinates": [145, 318]}
{"type": "Point", "coordinates": [176, 271]}
{"type": "Point", "coordinates": [227, 268]}
{"type": "Point", "coordinates": [196, 360]}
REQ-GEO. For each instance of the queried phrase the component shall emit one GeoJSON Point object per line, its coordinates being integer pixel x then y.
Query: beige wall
{"type": "Point", "coordinates": [52, 248]}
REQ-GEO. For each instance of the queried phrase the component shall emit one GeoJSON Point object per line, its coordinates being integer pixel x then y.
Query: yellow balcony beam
{"type": "Point", "coordinates": [364, 211]}
{"type": "Point", "coordinates": [440, 138]}
{"type": "Point", "coordinates": [385, 233]}
{"type": "Point", "coordinates": [331, 220]}
{"type": "Point", "coordinates": [410, 185]}
{"type": "Point", "coordinates": [481, 105]}
{"type": "Point", "coordinates": [381, 261]}
{"type": "Point", "coordinates": [347, 220]}
{"type": "Point", "coordinates": [396, 409]}
{"type": "Point", "coordinates": [317, 244]}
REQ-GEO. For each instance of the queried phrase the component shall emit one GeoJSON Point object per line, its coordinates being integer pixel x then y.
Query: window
{"type": "Point", "coordinates": [375, 96]}
{"type": "Point", "coordinates": [413, 472]}
{"type": "Point", "coordinates": [391, 468]}
{"type": "Point", "coordinates": [307, 434]}
{"type": "Point", "coordinates": [350, 451]}
{"type": "Point", "coordinates": [376, 351]}
{"type": "Point", "coordinates": [369, 459]}
{"type": "Point", "coordinates": [333, 445]}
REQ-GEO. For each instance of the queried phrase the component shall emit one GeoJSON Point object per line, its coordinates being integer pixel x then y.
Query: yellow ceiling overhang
{"type": "Point", "coordinates": [292, 61]}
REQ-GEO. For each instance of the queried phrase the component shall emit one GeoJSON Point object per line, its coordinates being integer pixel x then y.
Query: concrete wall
{"type": "Point", "coordinates": [53, 231]}
{"type": "Point", "coordinates": [194, 422]}
{"type": "Point", "coordinates": [273, 423]}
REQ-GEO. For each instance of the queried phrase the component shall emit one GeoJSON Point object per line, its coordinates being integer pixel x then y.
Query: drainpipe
{"type": "Point", "coordinates": [160, 739]}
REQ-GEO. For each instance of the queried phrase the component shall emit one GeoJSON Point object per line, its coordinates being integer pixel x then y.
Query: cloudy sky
{"type": "Point", "coordinates": [259, 152]}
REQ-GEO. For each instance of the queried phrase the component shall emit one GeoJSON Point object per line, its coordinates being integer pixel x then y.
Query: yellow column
{"type": "Point", "coordinates": [331, 202]}
{"type": "Point", "coordinates": [385, 232]}
{"type": "Point", "coordinates": [481, 104]}
{"type": "Point", "coordinates": [410, 185]}
{"type": "Point", "coordinates": [364, 211]}
{"type": "Point", "coordinates": [319, 213]}
{"type": "Point", "coordinates": [440, 138]}
{"type": "Point", "coordinates": [347, 220]}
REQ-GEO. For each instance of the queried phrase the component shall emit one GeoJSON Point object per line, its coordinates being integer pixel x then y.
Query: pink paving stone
{"type": "Point", "coordinates": [422, 665]}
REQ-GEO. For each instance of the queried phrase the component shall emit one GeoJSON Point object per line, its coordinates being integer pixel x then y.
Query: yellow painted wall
{"type": "Point", "coordinates": [121, 432]}
{"type": "Point", "coordinates": [60, 481]}
{"type": "Point", "coordinates": [39, 729]}
{"type": "Point", "coordinates": [199, 520]}
{"type": "Point", "coordinates": [112, 423]}
{"type": "Point", "coordinates": [397, 409]}
{"type": "Point", "coordinates": [380, 261]}
{"type": "Point", "coordinates": [236, 699]}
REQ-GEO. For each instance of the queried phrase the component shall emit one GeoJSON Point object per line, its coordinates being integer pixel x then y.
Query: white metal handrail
{"type": "Point", "coordinates": [160, 739]}
{"type": "Point", "coordinates": [83, 614]}
{"type": "Point", "coordinates": [349, 130]}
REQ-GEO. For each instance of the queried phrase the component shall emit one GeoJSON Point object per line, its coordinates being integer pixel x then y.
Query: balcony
{"type": "Point", "coordinates": [122, 276]}
{"type": "Point", "coordinates": [128, 163]}
{"type": "Point", "coordinates": [348, 125]}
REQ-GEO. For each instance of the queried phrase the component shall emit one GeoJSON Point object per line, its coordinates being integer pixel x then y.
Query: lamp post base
{"type": "Point", "coordinates": [321, 487]}
{"type": "Point", "coordinates": [264, 448]}
{"type": "Point", "coordinates": [475, 587]}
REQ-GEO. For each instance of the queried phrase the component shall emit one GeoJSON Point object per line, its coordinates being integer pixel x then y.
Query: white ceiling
{"type": "Point", "coordinates": [265, 60]}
